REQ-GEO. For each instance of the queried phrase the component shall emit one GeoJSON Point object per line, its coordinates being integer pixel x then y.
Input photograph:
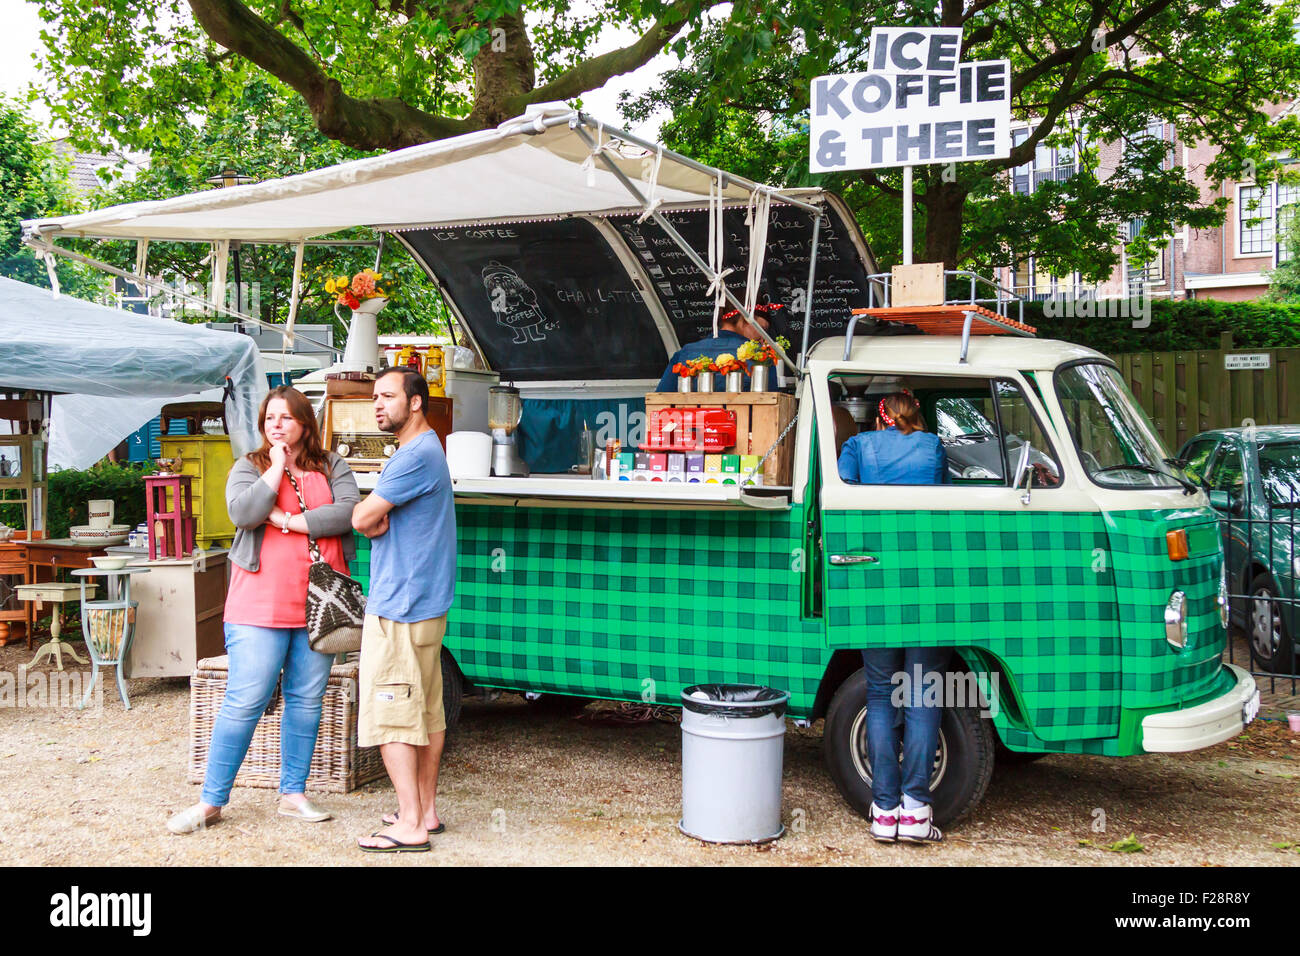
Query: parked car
{"type": "Point", "coordinates": [1253, 479]}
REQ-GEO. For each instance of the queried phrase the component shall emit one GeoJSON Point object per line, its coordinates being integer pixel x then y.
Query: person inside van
{"type": "Point", "coordinates": [734, 330]}
{"type": "Point", "coordinates": [900, 451]}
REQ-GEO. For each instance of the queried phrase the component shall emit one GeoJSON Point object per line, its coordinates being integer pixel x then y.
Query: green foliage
{"type": "Point", "coordinates": [70, 490]}
{"type": "Point", "coordinates": [32, 184]}
{"type": "Point", "coordinates": [1186, 324]}
{"type": "Point", "coordinates": [1284, 281]}
{"type": "Point", "coordinates": [264, 132]}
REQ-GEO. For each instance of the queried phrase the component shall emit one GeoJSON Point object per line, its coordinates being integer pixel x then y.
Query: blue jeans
{"type": "Point", "coordinates": [914, 725]}
{"type": "Point", "coordinates": [257, 657]}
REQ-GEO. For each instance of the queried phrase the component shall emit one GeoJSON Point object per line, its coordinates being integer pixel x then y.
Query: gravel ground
{"type": "Point", "coordinates": [520, 788]}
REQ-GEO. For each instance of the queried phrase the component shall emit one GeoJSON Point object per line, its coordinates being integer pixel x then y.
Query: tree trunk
{"type": "Point", "coordinates": [503, 68]}
{"type": "Point", "coordinates": [944, 206]}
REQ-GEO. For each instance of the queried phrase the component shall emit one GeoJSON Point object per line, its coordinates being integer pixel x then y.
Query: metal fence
{"type": "Point", "coordinates": [1258, 538]}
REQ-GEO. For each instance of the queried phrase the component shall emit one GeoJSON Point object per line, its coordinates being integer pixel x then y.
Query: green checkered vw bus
{"type": "Point", "coordinates": [1072, 566]}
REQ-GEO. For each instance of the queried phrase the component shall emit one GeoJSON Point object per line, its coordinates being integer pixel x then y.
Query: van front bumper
{"type": "Point", "coordinates": [1207, 724]}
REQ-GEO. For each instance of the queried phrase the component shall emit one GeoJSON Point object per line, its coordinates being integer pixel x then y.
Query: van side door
{"type": "Point", "coordinates": [971, 564]}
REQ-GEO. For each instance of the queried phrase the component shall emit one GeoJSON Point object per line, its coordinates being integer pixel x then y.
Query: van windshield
{"type": "Point", "coordinates": [1117, 445]}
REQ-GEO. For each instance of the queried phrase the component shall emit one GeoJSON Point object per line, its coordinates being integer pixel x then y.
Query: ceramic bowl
{"type": "Point", "coordinates": [111, 562]}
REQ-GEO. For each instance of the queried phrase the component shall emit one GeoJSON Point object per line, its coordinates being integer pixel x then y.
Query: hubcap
{"type": "Point", "coordinates": [862, 763]}
{"type": "Point", "coordinates": [1265, 624]}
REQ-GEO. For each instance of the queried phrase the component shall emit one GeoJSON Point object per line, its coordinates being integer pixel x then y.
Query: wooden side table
{"type": "Point", "coordinates": [57, 593]}
{"type": "Point", "coordinates": [46, 557]}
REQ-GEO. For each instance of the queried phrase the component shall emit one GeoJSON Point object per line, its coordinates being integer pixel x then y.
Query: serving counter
{"type": "Point", "coordinates": [564, 490]}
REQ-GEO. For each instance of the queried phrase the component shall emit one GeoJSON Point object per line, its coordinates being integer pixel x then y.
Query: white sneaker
{"type": "Point", "coordinates": [916, 826]}
{"type": "Point", "coordinates": [884, 824]}
{"type": "Point", "coordinates": [191, 819]}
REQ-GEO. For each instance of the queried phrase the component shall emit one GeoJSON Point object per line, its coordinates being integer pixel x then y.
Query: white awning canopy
{"type": "Point", "coordinates": [530, 167]}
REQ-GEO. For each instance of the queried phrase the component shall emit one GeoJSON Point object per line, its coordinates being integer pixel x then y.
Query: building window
{"type": "Point", "coordinates": [1029, 281]}
{"type": "Point", "coordinates": [1254, 220]}
{"type": "Point", "coordinates": [1137, 275]}
{"type": "Point", "coordinates": [1288, 197]}
{"type": "Point", "coordinates": [1050, 164]}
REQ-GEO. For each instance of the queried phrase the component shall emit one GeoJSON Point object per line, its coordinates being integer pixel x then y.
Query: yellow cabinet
{"type": "Point", "coordinates": [208, 458]}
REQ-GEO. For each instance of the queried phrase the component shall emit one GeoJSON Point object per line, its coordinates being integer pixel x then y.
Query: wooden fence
{"type": "Point", "coordinates": [1192, 391]}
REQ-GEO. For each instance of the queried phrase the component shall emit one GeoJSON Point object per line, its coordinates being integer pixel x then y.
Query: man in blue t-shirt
{"type": "Point", "coordinates": [410, 519]}
{"type": "Point", "coordinates": [734, 330]}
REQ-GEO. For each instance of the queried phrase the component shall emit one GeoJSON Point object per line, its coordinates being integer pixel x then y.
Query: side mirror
{"type": "Point", "coordinates": [1226, 501]}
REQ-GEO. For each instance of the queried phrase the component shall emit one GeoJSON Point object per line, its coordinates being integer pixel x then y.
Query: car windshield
{"type": "Point", "coordinates": [1117, 445]}
{"type": "Point", "coordinates": [1279, 471]}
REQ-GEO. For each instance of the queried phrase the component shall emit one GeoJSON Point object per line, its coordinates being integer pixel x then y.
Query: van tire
{"type": "Point", "coordinates": [453, 688]}
{"type": "Point", "coordinates": [965, 753]}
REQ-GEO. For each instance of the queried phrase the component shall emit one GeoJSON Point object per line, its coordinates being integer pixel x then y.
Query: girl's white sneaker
{"type": "Point", "coordinates": [917, 826]}
{"type": "Point", "coordinates": [884, 824]}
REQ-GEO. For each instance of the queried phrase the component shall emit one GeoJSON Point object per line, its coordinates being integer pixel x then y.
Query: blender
{"type": "Point", "coordinates": [505, 408]}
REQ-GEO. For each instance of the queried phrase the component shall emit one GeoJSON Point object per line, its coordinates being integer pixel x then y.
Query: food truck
{"type": "Point", "coordinates": [1074, 570]}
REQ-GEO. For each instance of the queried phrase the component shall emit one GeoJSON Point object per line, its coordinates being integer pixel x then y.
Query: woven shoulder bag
{"type": "Point", "coordinates": [336, 607]}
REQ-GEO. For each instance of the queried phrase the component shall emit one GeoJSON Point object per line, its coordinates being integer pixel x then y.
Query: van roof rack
{"type": "Point", "coordinates": [967, 316]}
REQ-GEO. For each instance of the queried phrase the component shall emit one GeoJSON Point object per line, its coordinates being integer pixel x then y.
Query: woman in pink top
{"type": "Point", "coordinates": [266, 606]}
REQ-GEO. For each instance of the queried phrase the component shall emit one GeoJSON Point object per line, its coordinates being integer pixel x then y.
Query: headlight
{"type": "Point", "coordinates": [1223, 595]}
{"type": "Point", "coordinates": [1176, 620]}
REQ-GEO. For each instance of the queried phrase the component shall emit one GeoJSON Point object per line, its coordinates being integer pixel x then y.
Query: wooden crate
{"type": "Point", "coordinates": [760, 419]}
{"type": "Point", "coordinates": [208, 459]}
{"type": "Point", "coordinates": [338, 765]}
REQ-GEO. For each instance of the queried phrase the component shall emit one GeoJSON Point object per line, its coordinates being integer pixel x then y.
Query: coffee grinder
{"type": "Point", "coordinates": [505, 409]}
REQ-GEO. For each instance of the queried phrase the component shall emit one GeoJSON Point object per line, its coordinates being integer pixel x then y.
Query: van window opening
{"type": "Point", "coordinates": [1116, 442]}
{"type": "Point", "coordinates": [982, 423]}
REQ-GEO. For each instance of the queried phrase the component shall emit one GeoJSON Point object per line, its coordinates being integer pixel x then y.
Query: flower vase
{"type": "Point", "coordinates": [361, 354]}
{"type": "Point", "coordinates": [735, 381]}
{"type": "Point", "coordinates": [705, 382]}
{"type": "Point", "coordinates": [758, 377]}
{"type": "Point", "coordinates": [684, 383]}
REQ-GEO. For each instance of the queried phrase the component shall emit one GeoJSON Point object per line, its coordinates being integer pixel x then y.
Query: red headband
{"type": "Point", "coordinates": [886, 417]}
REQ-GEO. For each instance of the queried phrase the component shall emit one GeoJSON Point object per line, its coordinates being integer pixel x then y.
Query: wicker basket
{"type": "Point", "coordinates": [337, 765]}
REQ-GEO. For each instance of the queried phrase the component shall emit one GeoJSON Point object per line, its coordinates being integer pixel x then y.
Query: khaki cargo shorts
{"type": "Point", "coordinates": [401, 681]}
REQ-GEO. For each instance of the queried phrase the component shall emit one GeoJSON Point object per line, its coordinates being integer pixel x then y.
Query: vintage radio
{"type": "Point", "coordinates": [690, 429]}
{"type": "Point", "coordinates": [350, 430]}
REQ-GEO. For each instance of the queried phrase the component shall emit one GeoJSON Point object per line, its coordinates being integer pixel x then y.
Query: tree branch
{"type": "Point", "coordinates": [596, 71]}
{"type": "Point", "coordinates": [363, 124]}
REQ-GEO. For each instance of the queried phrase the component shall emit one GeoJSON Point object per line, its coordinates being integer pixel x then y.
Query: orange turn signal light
{"type": "Point", "coordinates": [1176, 542]}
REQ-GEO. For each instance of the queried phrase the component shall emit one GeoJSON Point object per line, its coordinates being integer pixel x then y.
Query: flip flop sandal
{"type": "Point", "coordinates": [397, 846]}
{"type": "Point", "coordinates": [440, 828]}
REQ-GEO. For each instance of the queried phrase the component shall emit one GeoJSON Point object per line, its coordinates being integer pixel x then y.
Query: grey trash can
{"type": "Point", "coordinates": [733, 743]}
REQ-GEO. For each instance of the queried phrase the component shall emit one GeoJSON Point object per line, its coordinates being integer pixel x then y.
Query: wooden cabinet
{"type": "Point", "coordinates": [208, 460]}
{"type": "Point", "coordinates": [179, 615]}
{"type": "Point", "coordinates": [14, 615]}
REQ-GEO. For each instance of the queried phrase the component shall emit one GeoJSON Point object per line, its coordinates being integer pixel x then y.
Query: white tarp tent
{"type": "Point", "coordinates": [113, 370]}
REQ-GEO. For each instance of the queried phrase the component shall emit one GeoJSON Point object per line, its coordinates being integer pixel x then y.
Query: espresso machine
{"type": "Point", "coordinates": [505, 409]}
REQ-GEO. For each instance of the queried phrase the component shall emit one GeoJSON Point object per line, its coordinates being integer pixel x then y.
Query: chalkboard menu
{"type": "Point", "coordinates": [841, 280]}
{"type": "Point", "coordinates": [552, 301]}
{"type": "Point", "coordinates": [547, 301]}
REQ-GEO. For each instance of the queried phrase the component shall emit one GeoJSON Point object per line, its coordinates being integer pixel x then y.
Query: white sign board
{"type": "Point", "coordinates": [1250, 360]}
{"type": "Point", "coordinates": [909, 113]}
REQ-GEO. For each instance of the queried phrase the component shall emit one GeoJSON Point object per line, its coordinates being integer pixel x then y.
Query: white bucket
{"type": "Point", "coordinates": [469, 454]}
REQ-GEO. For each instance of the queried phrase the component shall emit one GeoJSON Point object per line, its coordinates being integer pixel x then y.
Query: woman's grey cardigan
{"type": "Point", "coordinates": [250, 501]}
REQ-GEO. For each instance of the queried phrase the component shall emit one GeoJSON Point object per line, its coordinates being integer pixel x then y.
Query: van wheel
{"type": "Point", "coordinates": [963, 764]}
{"type": "Point", "coordinates": [1270, 639]}
{"type": "Point", "coordinates": [453, 688]}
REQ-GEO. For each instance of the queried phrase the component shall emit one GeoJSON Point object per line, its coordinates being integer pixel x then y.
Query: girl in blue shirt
{"type": "Point", "coordinates": [900, 452]}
